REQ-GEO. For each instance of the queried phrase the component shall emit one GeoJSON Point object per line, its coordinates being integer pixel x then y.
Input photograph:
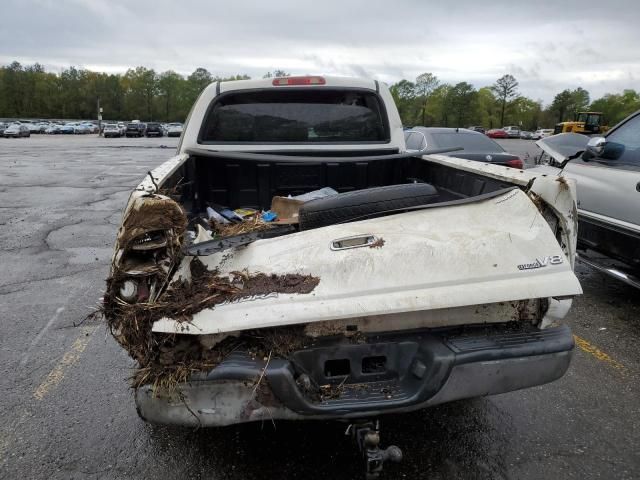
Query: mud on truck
{"type": "Point", "coordinates": [294, 261]}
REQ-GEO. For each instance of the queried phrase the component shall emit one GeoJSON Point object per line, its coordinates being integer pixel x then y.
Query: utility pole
{"type": "Point", "coordinates": [99, 118]}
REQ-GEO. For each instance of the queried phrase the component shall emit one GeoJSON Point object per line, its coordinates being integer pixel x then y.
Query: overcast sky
{"type": "Point", "coordinates": [547, 45]}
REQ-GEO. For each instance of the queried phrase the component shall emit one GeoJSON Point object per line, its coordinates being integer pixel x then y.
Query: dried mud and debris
{"type": "Point", "coordinates": [379, 243]}
{"type": "Point", "coordinates": [253, 224]}
{"type": "Point", "coordinates": [166, 359]}
{"type": "Point", "coordinates": [148, 250]}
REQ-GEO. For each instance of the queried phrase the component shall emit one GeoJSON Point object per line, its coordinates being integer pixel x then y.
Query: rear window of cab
{"type": "Point", "coordinates": [306, 115]}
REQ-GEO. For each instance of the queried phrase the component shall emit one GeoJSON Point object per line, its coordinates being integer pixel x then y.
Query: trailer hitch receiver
{"type": "Point", "coordinates": [367, 437]}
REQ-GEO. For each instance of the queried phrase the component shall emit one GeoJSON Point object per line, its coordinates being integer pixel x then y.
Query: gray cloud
{"type": "Point", "coordinates": [547, 45]}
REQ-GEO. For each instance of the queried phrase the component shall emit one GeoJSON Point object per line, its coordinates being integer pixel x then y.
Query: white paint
{"type": "Point", "coordinates": [447, 257]}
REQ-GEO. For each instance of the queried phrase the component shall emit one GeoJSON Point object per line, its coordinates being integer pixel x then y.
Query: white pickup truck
{"type": "Point", "coordinates": [424, 279]}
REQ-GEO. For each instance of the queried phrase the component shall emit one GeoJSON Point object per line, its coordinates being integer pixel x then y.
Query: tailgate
{"type": "Point", "coordinates": [493, 250]}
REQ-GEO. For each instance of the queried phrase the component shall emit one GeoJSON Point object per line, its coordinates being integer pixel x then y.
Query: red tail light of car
{"type": "Point", "coordinates": [515, 163]}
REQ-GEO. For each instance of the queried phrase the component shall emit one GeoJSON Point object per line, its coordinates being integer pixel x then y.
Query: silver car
{"type": "Point", "coordinates": [512, 131]}
{"type": "Point", "coordinates": [607, 171]}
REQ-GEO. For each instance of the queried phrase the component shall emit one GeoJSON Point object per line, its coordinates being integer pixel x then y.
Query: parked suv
{"type": "Point", "coordinates": [135, 130]}
{"type": "Point", "coordinates": [111, 130]}
{"type": "Point", "coordinates": [512, 131]}
{"type": "Point", "coordinates": [154, 129]}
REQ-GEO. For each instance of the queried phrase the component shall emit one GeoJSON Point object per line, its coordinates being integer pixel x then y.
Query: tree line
{"type": "Point", "coordinates": [429, 102]}
{"type": "Point", "coordinates": [142, 93]}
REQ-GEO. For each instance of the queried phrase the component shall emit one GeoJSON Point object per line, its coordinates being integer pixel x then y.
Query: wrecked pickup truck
{"type": "Point", "coordinates": [414, 279]}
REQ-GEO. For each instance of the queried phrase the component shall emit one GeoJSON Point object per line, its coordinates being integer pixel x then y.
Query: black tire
{"type": "Point", "coordinates": [354, 205]}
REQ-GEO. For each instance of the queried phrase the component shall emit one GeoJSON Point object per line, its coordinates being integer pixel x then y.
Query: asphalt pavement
{"type": "Point", "coordinates": [68, 412]}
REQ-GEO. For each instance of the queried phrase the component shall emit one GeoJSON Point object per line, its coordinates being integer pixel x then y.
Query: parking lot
{"type": "Point", "coordinates": [69, 412]}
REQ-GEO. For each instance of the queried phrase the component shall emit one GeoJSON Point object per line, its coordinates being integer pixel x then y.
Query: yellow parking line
{"type": "Point", "coordinates": [68, 359]}
{"type": "Point", "coordinates": [585, 346]}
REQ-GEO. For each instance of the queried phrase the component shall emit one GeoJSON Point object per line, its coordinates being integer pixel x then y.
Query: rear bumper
{"type": "Point", "coordinates": [421, 369]}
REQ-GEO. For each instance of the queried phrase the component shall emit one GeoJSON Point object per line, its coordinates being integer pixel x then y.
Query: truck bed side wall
{"type": "Point", "coordinates": [253, 184]}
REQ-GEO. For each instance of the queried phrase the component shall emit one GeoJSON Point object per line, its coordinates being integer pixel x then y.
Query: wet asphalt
{"type": "Point", "coordinates": [68, 413]}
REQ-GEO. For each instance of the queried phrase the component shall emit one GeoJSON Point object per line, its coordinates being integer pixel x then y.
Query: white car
{"type": "Point", "coordinates": [111, 130]}
{"type": "Point", "coordinates": [174, 130]}
{"type": "Point", "coordinates": [17, 130]}
{"type": "Point", "coordinates": [512, 131]}
{"type": "Point", "coordinates": [542, 133]}
{"type": "Point", "coordinates": [52, 129]}
{"type": "Point", "coordinates": [90, 127]}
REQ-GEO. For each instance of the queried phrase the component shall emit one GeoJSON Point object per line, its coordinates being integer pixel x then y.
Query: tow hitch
{"type": "Point", "coordinates": [366, 435]}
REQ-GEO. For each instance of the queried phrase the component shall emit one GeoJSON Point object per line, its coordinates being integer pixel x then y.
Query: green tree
{"type": "Point", "coordinates": [13, 90]}
{"type": "Point", "coordinates": [462, 99]}
{"type": "Point", "coordinates": [439, 105]}
{"type": "Point", "coordinates": [616, 107]}
{"type": "Point", "coordinates": [562, 103]}
{"type": "Point", "coordinates": [526, 112]}
{"type": "Point", "coordinates": [425, 84]}
{"type": "Point", "coordinates": [505, 88]}
{"type": "Point", "coordinates": [488, 108]}
{"type": "Point", "coordinates": [404, 95]}
{"type": "Point", "coordinates": [579, 100]}
{"type": "Point", "coordinates": [196, 83]}
{"type": "Point", "coordinates": [170, 87]}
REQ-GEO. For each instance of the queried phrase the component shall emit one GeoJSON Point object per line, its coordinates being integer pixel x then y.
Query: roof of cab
{"type": "Point", "coordinates": [330, 81]}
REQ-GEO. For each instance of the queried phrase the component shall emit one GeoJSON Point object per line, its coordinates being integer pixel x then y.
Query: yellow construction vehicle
{"type": "Point", "coordinates": [588, 123]}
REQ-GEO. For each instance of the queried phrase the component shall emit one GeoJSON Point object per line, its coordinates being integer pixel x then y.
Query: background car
{"type": "Point", "coordinates": [526, 135]}
{"type": "Point", "coordinates": [475, 145]}
{"type": "Point", "coordinates": [542, 133]}
{"type": "Point", "coordinates": [175, 130]}
{"type": "Point", "coordinates": [513, 131]}
{"type": "Point", "coordinates": [17, 130]}
{"type": "Point", "coordinates": [123, 128]}
{"type": "Point", "coordinates": [90, 127]}
{"type": "Point", "coordinates": [3, 127]}
{"type": "Point", "coordinates": [33, 127]}
{"type": "Point", "coordinates": [154, 129]}
{"type": "Point", "coordinates": [496, 133]}
{"type": "Point", "coordinates": [111, 130]}
{"type": "Point", "coordinates": [53, 129]}
{"type": "Point", "coordinates": [607, 173]}
{"type": "Point", "coordinates": [67, 129]}
{"type": "Point", "coordinates": [135, 129]}
{"type": "Point", "coordinates": [477, 128]}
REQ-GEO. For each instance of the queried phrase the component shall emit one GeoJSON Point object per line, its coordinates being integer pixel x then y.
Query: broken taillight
{"type": "Point", "coordinates": [307, 80]}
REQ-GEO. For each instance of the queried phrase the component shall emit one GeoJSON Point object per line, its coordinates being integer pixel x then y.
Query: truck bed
{"type": "Point", "coordinates": [252, 184]}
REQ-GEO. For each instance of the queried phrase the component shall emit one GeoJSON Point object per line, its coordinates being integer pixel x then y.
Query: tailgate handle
{"type": "Point", "coordinates": [353, 242]}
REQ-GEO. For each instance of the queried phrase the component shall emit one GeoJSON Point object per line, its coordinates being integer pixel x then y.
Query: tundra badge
{"type": "Point", "coordinates": [542, 262]}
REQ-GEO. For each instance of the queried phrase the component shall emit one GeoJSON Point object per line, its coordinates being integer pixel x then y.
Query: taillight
{"type": "Point", "coordinates": [281, 81]}
{"type": "Point", "coordinates": [515, 163]}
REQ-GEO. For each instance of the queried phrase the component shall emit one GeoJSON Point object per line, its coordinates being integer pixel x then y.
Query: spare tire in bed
{"type": "Point", "coordinates": [354, 205]}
